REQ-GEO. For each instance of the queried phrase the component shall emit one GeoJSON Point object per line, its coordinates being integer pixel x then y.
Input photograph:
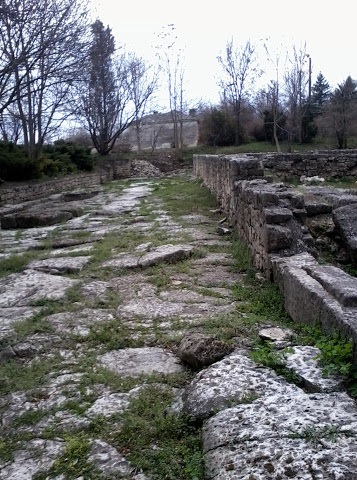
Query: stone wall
{"type": "Point", "coordinates": [23, 192]}
{"type": "Point", "coordinates": [270, 219]}
{"type": "Point", "coordinates": [330, 164]}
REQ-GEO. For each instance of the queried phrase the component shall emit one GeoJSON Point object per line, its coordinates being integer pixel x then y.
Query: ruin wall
{"type": "Point", "coordinates": [12, 193]}
{"type": "Point", "coordinates": [329, 164]}
{"type": "Point", "coordinates": [270, 219]}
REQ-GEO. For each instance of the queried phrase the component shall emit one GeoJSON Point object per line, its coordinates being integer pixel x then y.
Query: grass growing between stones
{"type": "Point", "coordinates": [161, 443]}
{"type": "Point", "coordinates": [73, 462]}
{"type": "Point", "coordinates": [183, 196]}
{"type": "Point", "coordinates": [16, 263]}
{"type": "Point", "coordinates": [18, 376]}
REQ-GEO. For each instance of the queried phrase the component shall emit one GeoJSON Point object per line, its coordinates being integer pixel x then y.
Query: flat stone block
{"type": "Point", "coordinates": [339, 284]}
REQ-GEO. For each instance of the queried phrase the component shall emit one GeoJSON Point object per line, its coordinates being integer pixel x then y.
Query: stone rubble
{"type": "Point", "coordinates": [256, 425]}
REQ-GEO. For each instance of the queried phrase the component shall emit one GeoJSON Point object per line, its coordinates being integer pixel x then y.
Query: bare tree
{"type": "Point", "coordinates": [239, 71]}
{"type": "Point", "coordinates": [172, 59]}
{"type": "Point", "coordinates": [45, 44]}
{"type": "Point", "coordinates": [142, 81]}
{"type": "Point", "coordinates": [296, 91]}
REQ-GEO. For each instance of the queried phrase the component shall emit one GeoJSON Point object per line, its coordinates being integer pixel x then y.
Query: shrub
{"type": "Point", "coordinates": [14, 164]}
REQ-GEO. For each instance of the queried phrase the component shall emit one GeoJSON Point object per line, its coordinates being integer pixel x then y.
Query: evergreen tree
{"type": "Point", "coordinates": [105, 92]}
{"type": "Point", "coordinates": [320, 94]}
{"type": "Point", "coordinates": [343, 111]}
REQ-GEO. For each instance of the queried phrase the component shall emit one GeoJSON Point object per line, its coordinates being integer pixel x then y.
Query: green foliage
{"type": "Point", "coordinates": [336, 355]}
{"type": "Point", "coordinates": [316, 435]}
{"type": "Point", "coordinates": [66, 157]}
{"type": "Point", "coordinates": [58, 159]}
{"type": "Point", "coordinates": [182, 197]}
{"type": "Point", "coordinates": [14, 164]}
{"type": "Point", "coordinates": [73, 462]}
{"type": "Point", "coordinates": [16, 376]}
{"type": "Point", "coordinates": [217, 128]}
{"type": "Point", "coordinates": [15, 263]}
{"type": "Point", "coordinates": [161, 443]}
{"type": "Point", "coordinates": [242, 257]}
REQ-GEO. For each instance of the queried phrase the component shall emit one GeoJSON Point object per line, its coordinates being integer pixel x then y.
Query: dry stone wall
{"type": "Point", "coordinates": [23, 192]}
{"type": "Point", "coordinates": [270, 218]}
{"type": "Point", "coordinates": [330, 164]}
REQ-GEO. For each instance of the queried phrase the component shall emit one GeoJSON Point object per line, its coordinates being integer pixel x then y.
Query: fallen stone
{"type": "Point", "coordinates": [136, 361]}
{"type": "Point", "coordinates": [198, 350]}
{"type": "Point", "coordinates": [304, 362]}
{"type": "Point", "coordinates": [233, 380]}
{"type": "Point", "coordinates": [7, 354]}
{"type": "Point", "coordinates": [164, 253]}
{"type": "Point", "coordinates": [21, 289]}
{"type": "Point", "coordinates": [275, 334]}
{"type": "Point", "coordinates": [60, 264]}
{"type": "Point", "coordinates": [78, 195]}
{"type": "Point", "coordinates": [303, 436]}
{"type": "Point", "coordinates": [223, 231]}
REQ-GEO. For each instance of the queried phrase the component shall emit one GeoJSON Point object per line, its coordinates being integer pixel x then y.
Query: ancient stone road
{"type": "Point", "coordinates": [114, 290]}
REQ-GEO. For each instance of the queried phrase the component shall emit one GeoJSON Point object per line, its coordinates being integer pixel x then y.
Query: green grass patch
{"type": "Point", "coordinates": [17, 376]}
{"type": "Point", "coordinates": [73, 462]}
{"type": "Point", "coordinates": [16, 263]}
{"type": "Point", "coordinates": [183, 196]}
{"type": "Point", "coordinates": [162, 444]}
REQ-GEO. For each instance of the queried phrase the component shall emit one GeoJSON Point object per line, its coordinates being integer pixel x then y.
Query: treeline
{"type": "Point", "coordinates": [57, 65]}
{"type": "Point", "coordinates": [290, 109]}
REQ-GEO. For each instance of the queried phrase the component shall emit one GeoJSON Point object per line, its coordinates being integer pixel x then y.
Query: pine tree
{"type": "Point", "coordinates": [320, 94]}
{"type": "Point", "coordinates": [101, 101]}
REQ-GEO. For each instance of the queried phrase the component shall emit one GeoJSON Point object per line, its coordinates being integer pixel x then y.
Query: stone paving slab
{"type": "Point", "coordinates": [259, 427]}
{"type": "Point", "coordinates": [20, 289]}
{"type": "Point", "coordinates": [137, 361]}
{"type": "Point", "coordinates": [164, 253]}
{"type": "Point", "coordinates": [233, 380]}
{"type": "Point", "coordinates": [60, 264]}
{"type": "Point", "coordinates": [303, 436]}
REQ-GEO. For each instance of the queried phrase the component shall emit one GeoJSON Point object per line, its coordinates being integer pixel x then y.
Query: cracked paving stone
{"type": "Point", "coordinates": [21, 289]}
{"type": "Point", "coordinates": [60, 264]}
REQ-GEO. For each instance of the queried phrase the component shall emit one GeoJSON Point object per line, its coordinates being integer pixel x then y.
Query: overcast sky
{"type": "Point", "coordinates": [203, 28]}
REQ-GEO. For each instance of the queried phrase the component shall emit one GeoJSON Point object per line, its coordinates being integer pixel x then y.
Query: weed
{"type": "Point", "coordinates": [242, 256]}
{"type": "Point", "coordinates": [74, 460]}
{"type": "Point", "coordinates": [36, 324]}
{"type": "Point", "coordinates": [16, 376]}
{"type": "Point", "coordinates": [15, 263]}
{"type": "Point", "coordinates": [160, 443]}
{"type": "Point", "coordinates": [315, 434]}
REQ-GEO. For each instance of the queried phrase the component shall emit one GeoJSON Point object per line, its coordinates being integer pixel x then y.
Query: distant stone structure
{"type": "Point", "coordinates": [157, 131]}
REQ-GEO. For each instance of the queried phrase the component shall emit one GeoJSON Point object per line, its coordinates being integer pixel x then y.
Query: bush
{"type": "Point", "coordinates": [14, 164]}
{"type": "Point", "coordinates": [70, 152]}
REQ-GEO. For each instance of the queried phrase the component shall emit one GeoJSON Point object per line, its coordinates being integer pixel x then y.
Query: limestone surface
{"type": "Point", "coordinates": [19, 290]}
{"type": "Point", "coordinates": [265, 440]}
{"type": "Point", "coordinates": [232, 380]}
{"type": "Point", "coordinates": [165, 253]}
{"type": "Point", "coordinates": [137, 361]}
